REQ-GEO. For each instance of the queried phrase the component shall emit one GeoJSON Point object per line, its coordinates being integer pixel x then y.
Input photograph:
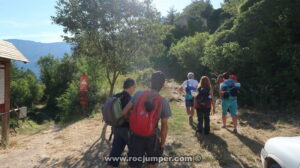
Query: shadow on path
{"type": "Point", "coordinates": [252, 144]}
{"type": "Point", "coordinates": [219, 149]}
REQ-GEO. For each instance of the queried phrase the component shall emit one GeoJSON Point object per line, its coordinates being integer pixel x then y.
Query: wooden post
{"type": "Point", "coordinates": [4, 108]}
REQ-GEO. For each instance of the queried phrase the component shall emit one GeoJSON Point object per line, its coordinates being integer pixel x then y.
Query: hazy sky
{"type": "Point", "coordinates": [30, 19]}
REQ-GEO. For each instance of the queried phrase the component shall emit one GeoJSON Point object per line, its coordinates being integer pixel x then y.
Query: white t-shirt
{"type": "Point", "coordinates": [192, 83]}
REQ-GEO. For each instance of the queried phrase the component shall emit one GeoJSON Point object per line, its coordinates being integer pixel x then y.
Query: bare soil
{"type": "Point", "coordinates": [80, 144]}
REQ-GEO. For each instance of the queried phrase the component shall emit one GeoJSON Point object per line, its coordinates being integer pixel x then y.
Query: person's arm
{"type": "Point", "coordinates": [182, 87]}
{"type": "Point", "coordinates": [220, 92]}
{"type": "Point", "coordinates": [127, 108]}
{"type": "Point", "coordinates": [164, 131]}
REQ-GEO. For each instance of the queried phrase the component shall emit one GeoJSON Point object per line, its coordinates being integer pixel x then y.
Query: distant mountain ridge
{"type": "Point", "coordinates": [34, 50]}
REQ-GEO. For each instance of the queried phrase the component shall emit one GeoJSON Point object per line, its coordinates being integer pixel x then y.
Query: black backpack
{"type": "Point", "coordinates": [230, 90]}
{"type": "Point", "coordinates": [203, 97]}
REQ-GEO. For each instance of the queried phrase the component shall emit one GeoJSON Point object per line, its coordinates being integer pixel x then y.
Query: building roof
{"type": "Point", "coordinates": [9, 51]}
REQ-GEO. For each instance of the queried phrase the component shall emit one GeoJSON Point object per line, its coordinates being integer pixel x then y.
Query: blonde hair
{"type": "Point", "coordinates": [204, 82]}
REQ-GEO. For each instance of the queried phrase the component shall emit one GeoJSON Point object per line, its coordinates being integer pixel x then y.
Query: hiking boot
{"type": "Point", "coordinates": [235, 131]}
{"type": "Point", "coordinates": [224, 127]}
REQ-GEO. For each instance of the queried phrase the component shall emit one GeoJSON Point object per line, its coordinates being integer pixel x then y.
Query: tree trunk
{"type": "Point", "coordinates": [112, 81]}
{"type": "Point", "coordinates": [111, 90]}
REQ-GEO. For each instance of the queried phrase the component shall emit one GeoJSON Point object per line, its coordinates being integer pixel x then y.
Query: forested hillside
{"type": "Point", "coordinates": [257, 40]}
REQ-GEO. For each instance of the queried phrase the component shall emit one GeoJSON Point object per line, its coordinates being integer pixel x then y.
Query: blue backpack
{"type": "Point", "coordinates": [230, 89]}
{"type": "Point", "coordinates": [188, 91]}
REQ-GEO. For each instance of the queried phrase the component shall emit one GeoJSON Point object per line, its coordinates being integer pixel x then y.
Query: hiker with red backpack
{"type": "Point", "coordinates": [189, 87]}
{"type": "Point", "coordinates": [121, 131]}
{"type": "Point", "coordinates": [145, 111]}
{"type": "Point", "coordinates": [204, 101]}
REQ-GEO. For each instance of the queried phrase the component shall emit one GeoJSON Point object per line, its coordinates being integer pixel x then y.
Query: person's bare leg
{"type": "Point", "coordinates": [234, 120]}
{"type": "Point", "coordinates": [224, 118]}
{"type": "Point", "coordinates": [188, 112]}
{"type": "Point", "coordinates": [192, 111]}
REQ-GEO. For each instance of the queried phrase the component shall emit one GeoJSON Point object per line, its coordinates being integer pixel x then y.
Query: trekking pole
{"type": "Point", "coordinates": [103, 131]}
{"type": "Point", "coordinates": [111, 134]}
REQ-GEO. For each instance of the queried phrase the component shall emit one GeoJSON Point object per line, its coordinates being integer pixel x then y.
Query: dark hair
{"type": "Point", "coordinates": [157, 80]}
{"type": "Point", "coordinates": [226, 75]}
{"type": "Point", "coordinates": [128, 83]}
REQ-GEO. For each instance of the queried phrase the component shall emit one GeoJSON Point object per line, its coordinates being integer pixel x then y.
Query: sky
{"type": "Point", "coordinates": [30, 19]}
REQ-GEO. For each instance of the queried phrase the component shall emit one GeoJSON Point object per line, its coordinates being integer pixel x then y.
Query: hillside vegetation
{"type": "Point", "coordinates": [257, 40]}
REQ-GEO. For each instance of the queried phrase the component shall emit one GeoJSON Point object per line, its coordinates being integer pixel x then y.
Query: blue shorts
{"type": "Point", "coordinates": [189, 103]}
{"type": "Point", "coordinates": [230, 104]}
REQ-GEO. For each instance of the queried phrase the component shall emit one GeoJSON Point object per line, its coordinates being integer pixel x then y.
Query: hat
{"type": "Point", "coordinates": [190, 75]}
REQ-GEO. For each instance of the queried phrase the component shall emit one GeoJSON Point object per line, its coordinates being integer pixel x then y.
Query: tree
{"type": "Point", "coordinates": [189, 52]}
{"type": "Point", "coordinates": [232, 7]}
{"type": "Point", "coordinates": [171, 17]}
{"type": "Point", "coordinates": [108, 30]}
{"type": "Point", "coordinates": [260, 44]}
{"type": "Point", "coordinates": [26, 90]}
{"type": "Point", "coordinates": [56, 74]}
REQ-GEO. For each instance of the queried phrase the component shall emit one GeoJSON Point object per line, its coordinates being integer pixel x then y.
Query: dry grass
{"type": "Point", "coordinates": [77, 144]}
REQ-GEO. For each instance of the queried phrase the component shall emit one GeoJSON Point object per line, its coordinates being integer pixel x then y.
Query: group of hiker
{"type": "Point", "coordinates": [135, 119]}
{"type": "Point", "coordinates": [200, 96]}
{"type": "Point", "coordinates": [137, 127]}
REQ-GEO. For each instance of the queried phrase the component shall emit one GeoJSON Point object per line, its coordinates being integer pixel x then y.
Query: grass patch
{"type": "Point", "coordinates": [176, 126]}
{"type": "Point", "coordinates": [32, 127]}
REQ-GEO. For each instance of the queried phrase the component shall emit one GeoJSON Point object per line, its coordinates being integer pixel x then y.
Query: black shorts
{"type": "Point", "coordinates": [189, 103]}
{"type": "Point", "coordinates": [143, 146]}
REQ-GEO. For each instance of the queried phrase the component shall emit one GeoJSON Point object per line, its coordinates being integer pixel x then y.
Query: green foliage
{"type": "Point", "coordinates": [61, 78]}
{"type": "Point", "coordinates": [232, 7]}
{"type": "Point", "coordinates": [189, 52]}
{"type": "Point", "coordinates": [56, 74]}
{"type": "Point", "coordinates": [143, 77]}
{"type": "Point", "coordinates": [68, 102]}
{"type": "Point", "coordinates": [171, 17]}
{"type": "Point", "coordinates": [261, 45]}
{"type": "Point", "coordinates": [115, 32]}
{"type": "Point", "coordinates": [220, 58]}
{"type": "Point", "coordinates": [26, 90]}
{"type": "Point", "coordinates": [258, 40]}
{"type": "Point", "coordinates": [197, 14]}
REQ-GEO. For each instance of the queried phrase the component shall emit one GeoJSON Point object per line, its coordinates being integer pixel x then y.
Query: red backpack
{"type": "Point", "coordinates": [143, 118]}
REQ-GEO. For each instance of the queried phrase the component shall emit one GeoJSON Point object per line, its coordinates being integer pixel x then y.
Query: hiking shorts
{"type": "Point", "coordinates": [189, 102]}
{"type": "Point", "coordinates": [143, 146]}
{"type": "Point", "coordinates": [231, 105]}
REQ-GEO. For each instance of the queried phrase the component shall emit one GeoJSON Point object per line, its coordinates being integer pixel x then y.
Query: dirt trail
{"type": "Point", "coordinates": [79, 144]}
{"type": "Point", "coordinates": [52, 147]}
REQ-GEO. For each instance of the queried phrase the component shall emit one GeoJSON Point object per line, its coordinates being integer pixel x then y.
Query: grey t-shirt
{"type": "Point", "coordinates": [166, 110]}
